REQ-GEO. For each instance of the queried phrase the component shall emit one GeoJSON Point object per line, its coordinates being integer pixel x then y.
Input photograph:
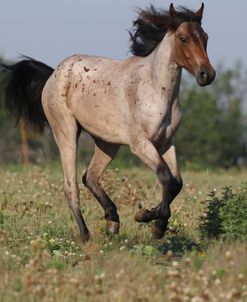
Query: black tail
{"type": "Point", "coordinates": [23, 85]}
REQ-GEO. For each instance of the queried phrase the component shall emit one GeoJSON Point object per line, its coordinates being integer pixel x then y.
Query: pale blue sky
{"type": "Point", "coordinates": [52, 30]}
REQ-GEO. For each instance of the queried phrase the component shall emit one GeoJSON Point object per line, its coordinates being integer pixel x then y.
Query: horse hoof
{"type": "Point", "coordinates": [143, 216]}
{"type": "Point", "coordinates": [112, 227]}
{"type": "Point", "coordinates": [157, 231]}
{"type": "Point", "coordinates": [85, 237]}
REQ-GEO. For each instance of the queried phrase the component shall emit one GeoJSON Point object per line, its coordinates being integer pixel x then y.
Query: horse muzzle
{"type": "Point", "coordinates": [205, 77]}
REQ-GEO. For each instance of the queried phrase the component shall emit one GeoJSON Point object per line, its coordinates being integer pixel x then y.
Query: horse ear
{"type": "Point", "coordinates": [172, 10]}
{"type": "Point", "coordinates": [199, 13]}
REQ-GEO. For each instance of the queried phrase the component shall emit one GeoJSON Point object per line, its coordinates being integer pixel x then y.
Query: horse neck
{"type": "Point", "coordinates": [166, 74]}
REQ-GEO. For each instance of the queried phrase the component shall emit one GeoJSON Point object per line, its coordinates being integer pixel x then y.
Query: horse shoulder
{"type": "Point", "coordinates": [170, 123]}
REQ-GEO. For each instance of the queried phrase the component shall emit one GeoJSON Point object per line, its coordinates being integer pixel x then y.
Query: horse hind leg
{"type": "Point", "coordinates": [103, 155]}
{"type": "Point", "coordinates": [65, 131]}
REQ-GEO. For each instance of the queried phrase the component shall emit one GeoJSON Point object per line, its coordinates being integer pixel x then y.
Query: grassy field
{"type": "Point", "coordinates": [43, 259]}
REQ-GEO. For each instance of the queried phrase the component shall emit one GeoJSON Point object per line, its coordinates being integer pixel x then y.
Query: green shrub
{"type": "Point", "coordinates": [226, 216]}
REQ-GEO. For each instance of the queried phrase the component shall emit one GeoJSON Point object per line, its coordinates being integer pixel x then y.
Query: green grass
{"type": "Point", "coordinates": [43, 259]}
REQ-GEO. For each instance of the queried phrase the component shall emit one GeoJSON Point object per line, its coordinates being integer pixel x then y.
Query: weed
{"type": "Point", "coordinates": [225, 216]}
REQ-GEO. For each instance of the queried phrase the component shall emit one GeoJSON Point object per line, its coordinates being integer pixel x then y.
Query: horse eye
{"type": "Point", "coordinates": [184, 40]}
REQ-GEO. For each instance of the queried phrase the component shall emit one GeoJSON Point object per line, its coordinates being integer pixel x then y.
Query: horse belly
{"type": "Point", "coordinates": [98, 119]}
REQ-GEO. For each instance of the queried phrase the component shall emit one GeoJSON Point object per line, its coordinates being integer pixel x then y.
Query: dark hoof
{"type": "Point", "coordinates": [85, 237]}
{"type": "Point", "coordinates": [158, 230]}
{"type": "Point", "coordinates": [112, 227]}
{"type": "Point", "coordinates": [143, 215]}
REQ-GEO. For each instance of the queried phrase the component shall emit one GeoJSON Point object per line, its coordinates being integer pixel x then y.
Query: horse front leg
{"type": "Point", "coordinates": [171, 184]}
{"type": "Point", "coordinates": [170, 191]}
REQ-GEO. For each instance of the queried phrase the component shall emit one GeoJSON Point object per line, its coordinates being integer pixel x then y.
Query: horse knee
{"type": "Point", "coordinates": [165, 212]}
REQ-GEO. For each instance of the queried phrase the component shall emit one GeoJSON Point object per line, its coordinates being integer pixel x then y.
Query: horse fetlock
{"type": "Point", "coordinates": [85, 236]}
{"type": "Point", "coordinates": [112, 215]}
{"type": "Point", "coordinates": [80, 222]}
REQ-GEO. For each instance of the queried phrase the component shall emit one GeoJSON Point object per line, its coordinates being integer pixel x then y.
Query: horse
{"type": "Point", "coordinates": [131, 102]}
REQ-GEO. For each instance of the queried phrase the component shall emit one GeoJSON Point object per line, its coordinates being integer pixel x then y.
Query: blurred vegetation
{"type": "Point", "coordinates": [213, 132]}
{"type": "Point", "coordinates": [225, 216]}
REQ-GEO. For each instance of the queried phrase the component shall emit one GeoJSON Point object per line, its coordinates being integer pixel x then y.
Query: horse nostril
{"type": "Point", "coordinates": [203, 75]}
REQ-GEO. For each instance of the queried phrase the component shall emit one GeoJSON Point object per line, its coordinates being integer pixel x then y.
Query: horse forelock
{"type": "Point", "coordinates": [151, 26]}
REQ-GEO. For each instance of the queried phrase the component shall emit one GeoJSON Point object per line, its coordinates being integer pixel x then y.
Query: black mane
{"type": "Point", "coordinates": [151, 26]}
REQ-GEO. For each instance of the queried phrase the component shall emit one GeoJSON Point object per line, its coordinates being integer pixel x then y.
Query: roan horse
{"type": "Point", "coordinates": [132, 102]}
